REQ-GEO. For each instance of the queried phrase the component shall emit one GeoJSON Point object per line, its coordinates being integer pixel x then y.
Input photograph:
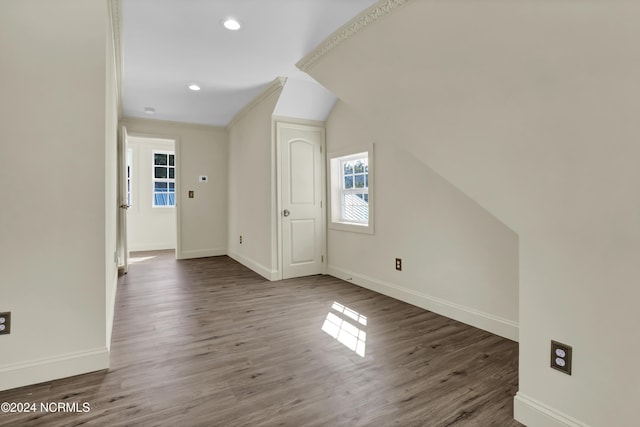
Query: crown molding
{"type": "Point", "coordinates": [133, 120]}
{"type": "Point", "coordinates": [364, 19]}
{"type": "Point", "coordinates": [275, 85]}
{"type": "Point", "coordinates": [115, 16]}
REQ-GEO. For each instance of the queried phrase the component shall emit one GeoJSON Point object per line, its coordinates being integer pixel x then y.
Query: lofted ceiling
{"type": "Point", "coordinates": [169, 44]}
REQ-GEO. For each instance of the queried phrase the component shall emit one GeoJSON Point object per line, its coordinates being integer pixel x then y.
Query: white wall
{"type": "Point", "coordinates": [531, 109]}
{"type": "Point", "coordinates": [148, 228]}
{"type": "Point", "coordinates": [52, 232]}
{"type": "Point", "coordinates": [252, 187]}
{"type": "Point", "coordinates": [200, 150]}
{"type": "Point", "coordinates": [458, 260]}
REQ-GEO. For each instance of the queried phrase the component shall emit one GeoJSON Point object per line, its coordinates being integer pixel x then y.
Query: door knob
{"type": "Point", "coordinates": [124, 206]}
{"type": "Point", "coordinates": [286, 212]}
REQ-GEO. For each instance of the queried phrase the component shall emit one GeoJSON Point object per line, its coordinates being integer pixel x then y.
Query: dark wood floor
{"type": "Point", "coordinates": [207, 342]}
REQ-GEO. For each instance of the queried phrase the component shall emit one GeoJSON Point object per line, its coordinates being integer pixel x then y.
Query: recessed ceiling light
{"type": "Point", "coordinates": [149, 110]}
{"type": "Point", "coordinates": [194, 87]}
{"type": "Point", "coordinates": [231, 24]}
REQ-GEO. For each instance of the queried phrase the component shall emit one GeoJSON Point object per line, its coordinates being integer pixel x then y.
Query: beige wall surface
{"type": "Point", "coordinates": [252, 188]}
{"type": "Point", "coordinates": [54, 139]}
{"type": "Point", "coordinates": [458, 259]}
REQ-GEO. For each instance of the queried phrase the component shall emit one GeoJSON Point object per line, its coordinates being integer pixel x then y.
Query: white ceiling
{"type": "Point", "coordinates": [168, 44]}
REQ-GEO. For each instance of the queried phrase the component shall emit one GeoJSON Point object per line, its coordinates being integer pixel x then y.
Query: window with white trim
{"type": "Point", "coordinates": [164, 179]}
{"type": "Point", "coordinates": [351, 182]}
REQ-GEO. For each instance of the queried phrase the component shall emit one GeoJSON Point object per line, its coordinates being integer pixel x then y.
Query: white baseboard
{"type": "Point", "coordinates": [53, 368]}
{"type": "Point", "coordinates": [533, 413]}
{"type": "Point", "coordinates": [201, 253]}
{"type": "Point", "coordinates": [494, 324]}
{"type": "Point", "coordinates": [152, 247]}
{"type": "Point", "coordinates": [265, 272]}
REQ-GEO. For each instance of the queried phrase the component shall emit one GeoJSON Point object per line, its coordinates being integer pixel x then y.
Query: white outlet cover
{"type": "Point", "coordinates": [203, 178]}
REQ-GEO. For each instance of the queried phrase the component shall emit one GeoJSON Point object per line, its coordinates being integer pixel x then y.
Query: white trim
{"type": "Point", "coordinates": [531, 412]}
{"type": "Point", "coordinates": [271, 275]}
{"type": "Point", "coordinates": [297, 121]}
{"type": "Point", "coordinates": [274, 86]}
{"type": "Point", "coordinates": [486, 321]}
{"type": "Point", "coordinates": [367, 17]}
{"type": "Point", "coordinates": [153, 247]}
{"type": "Point", "coordinates": [53, 368]}
{"type": "Point", "coordinates": [276, 222]}
{"type": "Point", "coordinates": [177, 148]}
{"type": "Point", "coordinates": [132, 121]}
{"type": "Point", "coordinates": [111, 311]}
{"type": "Point", "coordinates": [202, 253]}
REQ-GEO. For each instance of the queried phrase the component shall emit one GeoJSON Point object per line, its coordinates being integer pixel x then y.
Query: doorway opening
{"type": "Point", "coordinates": [151, 186]}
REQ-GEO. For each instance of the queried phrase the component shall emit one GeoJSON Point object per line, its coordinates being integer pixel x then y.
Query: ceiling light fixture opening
{"type": "Point", "coordinates": [194, 87]}
{"type": "Point", "coordinates": [231, 24]}
{"type": "Point", "coordinates": [149, 110]}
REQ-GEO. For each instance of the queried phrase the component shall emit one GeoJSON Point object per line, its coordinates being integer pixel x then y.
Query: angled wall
{"type": "Point", "coordinates": [458, 260]}
{"type": "Point", "coordinates": [252, 185]}
{"type": "Point", "coordinates": [530, 109]}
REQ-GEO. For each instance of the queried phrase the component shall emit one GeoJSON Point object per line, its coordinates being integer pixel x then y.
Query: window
{"type": "Point", "coordinates": [164, 179]}
{"type": "Point", "coordinates": [351, 183]}
{"type": "Point", "coordinates": [129, 175]}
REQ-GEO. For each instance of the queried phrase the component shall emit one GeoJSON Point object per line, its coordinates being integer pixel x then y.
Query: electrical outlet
{"type": "Point", "coordinates": [5, 323]}
{"type": "Point", "coordinates": [399, 264]}
{"type": "Point", "coordinates": [240, 239]}
{"type": "Point", "coordinates": [561, 357]}
{"type": "Point", "coordinates": [191, 194]}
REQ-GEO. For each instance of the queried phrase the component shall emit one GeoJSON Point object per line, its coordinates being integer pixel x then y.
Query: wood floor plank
{"type": "Point", "coordinates": [207, 342]}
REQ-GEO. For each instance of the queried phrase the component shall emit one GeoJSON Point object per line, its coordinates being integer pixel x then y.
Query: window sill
{"type": "Point", "coordinates": [353, 227]}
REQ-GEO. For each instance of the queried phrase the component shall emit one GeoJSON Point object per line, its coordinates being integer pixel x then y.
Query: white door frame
{"type": "Point", "coordinates": [122, 245]}
{"type": "Point", "coordinates": [310, 125]}
{"type": "Point", "coordinates": [178, 158]}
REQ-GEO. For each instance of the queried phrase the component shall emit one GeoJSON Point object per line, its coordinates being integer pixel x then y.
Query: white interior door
{"type": "Point", "coordinates": [123, 199]}
{"type": "Point", "coordinates": [301, 194]}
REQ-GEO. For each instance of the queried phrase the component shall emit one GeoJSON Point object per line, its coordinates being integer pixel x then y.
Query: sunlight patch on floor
{"type": "Point", "coordinates": [344, 331]}
{"type": "Point", "coordinates": [133, 260]}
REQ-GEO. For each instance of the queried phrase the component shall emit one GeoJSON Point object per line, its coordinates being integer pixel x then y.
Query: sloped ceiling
{"type": "Point", "coordinates": [168, 44]}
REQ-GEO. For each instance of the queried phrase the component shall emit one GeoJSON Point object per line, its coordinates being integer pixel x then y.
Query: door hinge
{"type": "Point", "coordinates": [321, 258]}
{"type": "Point", "coordinates": [321, 204]}
{"type": "Point", "coordinates": [321, 148]}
